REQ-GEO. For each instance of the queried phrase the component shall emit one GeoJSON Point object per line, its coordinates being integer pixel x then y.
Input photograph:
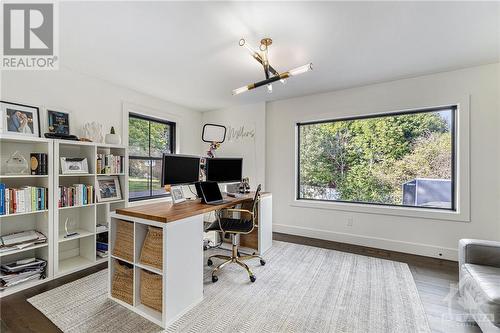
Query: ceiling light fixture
{"type": "Point", "coordinates": [271, 74]}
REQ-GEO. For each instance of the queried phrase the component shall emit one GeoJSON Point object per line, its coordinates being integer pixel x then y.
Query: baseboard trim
{"type": "Point", "coordinates": [375, 242]}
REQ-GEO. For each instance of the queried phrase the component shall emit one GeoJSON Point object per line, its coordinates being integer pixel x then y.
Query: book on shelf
{"type": "Point", "coordinates": [21, 271]}
{"type": "Point", "coordinates": [21, 240]}
{"type": "Point", "coordinates": [22, 200]}
{"type": "Point", "coordinates": [75, 195]}
{"type": "Point", "coordinates": [101, 245]}
{"type": "Point", "coordinates": [39, 164]}
{"type": "Point", "coordinates": [110, 164]}
{"type": "Point", "coordinates": [101, 228]}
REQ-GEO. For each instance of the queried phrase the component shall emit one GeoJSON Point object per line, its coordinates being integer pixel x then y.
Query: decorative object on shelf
{"type": "Point", "coordinates": [108, 189]}
{"type": "Point", "coordinates": [245, 185]}
{"type": "Point", "coordinates": [271, 74]}
{"type": "Point", "coordinates": [215, 135]}
{"type": "Point", "coordinates": [124, 241]}
{"type": "Point", "coordinates": [177, 194]}
{"type": "Point", "coordinates": [16, 164]}
{"type": "Point", "coordinates": [61, 136]}
{"type": "Point", "coordinates": [93, 131]}
{"type": "Point", "coordinates": [39, 164]}
{"type": "Point", "coordinates": [58, 122]}
{"type": "Point", "coordinates": [19, 119]}
{"type": "Point", "coordinates": [152, 249]}
{"type": "Point", "coordinates": [151, 290]}
{"type": "Point", "coordinates": [74, 165]}
{"type": "Point", "coordinates": [69, 225]}
{"type": "Point", "coordinates": [113, 138]}
{"type": "Point", "coordinates": [122, 286]}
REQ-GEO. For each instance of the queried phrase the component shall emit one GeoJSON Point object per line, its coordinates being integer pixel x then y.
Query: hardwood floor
{"type": "Point", "coordinates": [435, 279]}
{"type": "Point", "coordinates": [19, 316]}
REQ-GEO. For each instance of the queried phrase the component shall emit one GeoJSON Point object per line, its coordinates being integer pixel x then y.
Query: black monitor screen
{"type": "Point", "coordinates": [179, 169]}
{"type": "Point", "coordinates": [224, 169]}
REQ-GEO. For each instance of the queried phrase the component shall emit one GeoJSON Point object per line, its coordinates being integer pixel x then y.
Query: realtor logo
{"type": "Point", "coordinates": [29, 36]}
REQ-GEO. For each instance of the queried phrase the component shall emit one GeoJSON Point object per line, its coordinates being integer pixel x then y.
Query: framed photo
{"type": "Point", "coordinates": [57, 122]}
{"type": "Point", "coordinates": [108, 189]}
{"type": "Point", "coordinates": [19, 119]}
{"type": "Point", "coordinates": [177, 194]}
{"type": "Point", "coordinates": [74, 165]}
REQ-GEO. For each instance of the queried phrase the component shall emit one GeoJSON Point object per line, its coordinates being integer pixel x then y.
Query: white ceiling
{"type": "Point", "coordinates": [188, 53]}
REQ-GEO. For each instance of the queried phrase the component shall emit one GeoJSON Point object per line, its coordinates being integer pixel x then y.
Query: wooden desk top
{"type": "Point", "coordinates": [168, 212]}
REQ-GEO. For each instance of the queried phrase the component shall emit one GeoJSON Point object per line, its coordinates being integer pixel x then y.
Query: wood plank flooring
{"type": "Point", "coordinates": [435, 278]}
{"type": "Point", "coordinates": [436, 281]}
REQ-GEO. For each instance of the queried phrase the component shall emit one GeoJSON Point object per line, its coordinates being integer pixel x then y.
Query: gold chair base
{"type": "Point", "coordinates": [234, 258]}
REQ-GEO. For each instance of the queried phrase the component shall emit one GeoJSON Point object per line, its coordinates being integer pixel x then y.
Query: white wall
{"type": "Point", "coordinates": [90, 99]}
{"type": "Point", "coordinates": [246, 137]}
{"type": "Point", "coordinates": [423, 236]}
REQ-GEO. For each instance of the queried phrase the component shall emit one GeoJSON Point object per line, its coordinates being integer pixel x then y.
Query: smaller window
{"type": "Point", "coordinates": [149, 138]}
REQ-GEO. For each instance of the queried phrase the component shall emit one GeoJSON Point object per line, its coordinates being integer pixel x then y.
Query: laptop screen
{"type": "Point", "coordinates": [211, 191]}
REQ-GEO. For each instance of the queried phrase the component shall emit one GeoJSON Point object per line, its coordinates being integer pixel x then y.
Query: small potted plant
{"type": "Point", "coordinates": [113, 138]}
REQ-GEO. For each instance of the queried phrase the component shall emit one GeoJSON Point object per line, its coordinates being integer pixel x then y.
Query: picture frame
{"type": "Point", "coordinates": [19, 119]}
{"type": "Point", "coordinates": [74, 165]}
{"type": "Point", "coordinates": [177, 194]}
{"type": "Point", "coordinates": [108, 189]}
{"type": "Point", "coordinates": [58, 122]}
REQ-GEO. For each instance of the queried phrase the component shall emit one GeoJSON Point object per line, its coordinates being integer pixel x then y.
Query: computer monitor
{"type": "Point", "coordinates": [180, 169]}
{"type": "Point", "coordinates": [224, 170]}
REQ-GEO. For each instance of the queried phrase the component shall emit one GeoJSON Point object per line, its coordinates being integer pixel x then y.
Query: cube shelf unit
{"type": "Point", "coordinates": [37, 220]}
{"type": "Point", "coordinates": [79, 252]}
{"type": "Point", "coordinates": [139, 235]}
{"type": "Point", "coordinates": [182, 288]}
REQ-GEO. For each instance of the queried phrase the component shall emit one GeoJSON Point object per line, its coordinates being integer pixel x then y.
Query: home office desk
{"type": "Point", "coordinates": [182, 267]}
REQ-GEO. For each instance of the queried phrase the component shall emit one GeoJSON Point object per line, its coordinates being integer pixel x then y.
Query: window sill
{"type": "Point", "coordinates": [421, 213]}
{"type": "Point", "coordinates": [149, 201]}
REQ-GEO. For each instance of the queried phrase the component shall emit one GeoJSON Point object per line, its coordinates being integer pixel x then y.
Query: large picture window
{"type": "Point", "coordinates": [397, 159]}
{"type": "Point", "coordinates": [149, 138]}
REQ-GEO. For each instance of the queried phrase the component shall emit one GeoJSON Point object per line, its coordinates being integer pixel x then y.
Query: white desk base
{"type": "Point", "coordinates": [183, 260]}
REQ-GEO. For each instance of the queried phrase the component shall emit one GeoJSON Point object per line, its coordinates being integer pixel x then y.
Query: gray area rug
{"type": "Point", "coordinates": [301, 289]}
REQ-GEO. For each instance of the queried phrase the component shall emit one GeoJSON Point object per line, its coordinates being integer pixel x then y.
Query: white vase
{"type": "Point", "coordinates": [113, 139]}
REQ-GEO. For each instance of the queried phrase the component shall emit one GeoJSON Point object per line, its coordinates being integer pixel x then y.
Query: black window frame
{"type": "Point", "coordinates": [453, 130]}
{"type": "Point", "coordinates": [172, 127]}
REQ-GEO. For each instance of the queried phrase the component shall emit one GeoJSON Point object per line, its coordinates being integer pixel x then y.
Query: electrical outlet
{"type": "Point", "coordinates": [350, 221]}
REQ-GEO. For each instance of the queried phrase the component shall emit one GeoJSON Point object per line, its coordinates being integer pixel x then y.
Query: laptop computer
{"type": "Point", "coordinates": [211, 193]}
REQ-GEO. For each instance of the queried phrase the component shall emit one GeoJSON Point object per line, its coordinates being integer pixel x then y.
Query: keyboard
{"type": "Point", "coordinates": [235, 195]}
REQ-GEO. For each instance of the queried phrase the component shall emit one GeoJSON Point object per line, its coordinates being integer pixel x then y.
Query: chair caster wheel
{"type": "Point", "coordinates": [209, 262]}
{"type": "Point", "coordinates": [262, 262]}
{"type": "Point", "coordinates": [215, 278]}
{"type": "Point", "coordinates": [238, 254]}
{"type": "Point", "coordinates": [253, 278]}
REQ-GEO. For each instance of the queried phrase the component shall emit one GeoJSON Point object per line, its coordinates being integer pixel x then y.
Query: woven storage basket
{"type": "Point", "coordinates": [123, 282]}
{"type": "Point", "coordinates": [124, 241]}
{"type": "Point", "coordinates": [151, 290]}
{"type": "Point", "coordinates": [152, 249]}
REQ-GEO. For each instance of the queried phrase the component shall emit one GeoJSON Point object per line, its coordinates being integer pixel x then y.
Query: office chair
{"type": "Point", "coordinates": [235, 226]}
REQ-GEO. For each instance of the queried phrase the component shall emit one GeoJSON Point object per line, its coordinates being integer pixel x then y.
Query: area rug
{"type": "Point", "coordinates": [300, 289]}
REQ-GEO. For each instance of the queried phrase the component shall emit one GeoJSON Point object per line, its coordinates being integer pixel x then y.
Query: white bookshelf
{"type": "Point", "coordinates": [40, 220]}
{"type": "Point", "coordinates": [63, 255]}
{"type": "Point", "coordinates": [78, 252]}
